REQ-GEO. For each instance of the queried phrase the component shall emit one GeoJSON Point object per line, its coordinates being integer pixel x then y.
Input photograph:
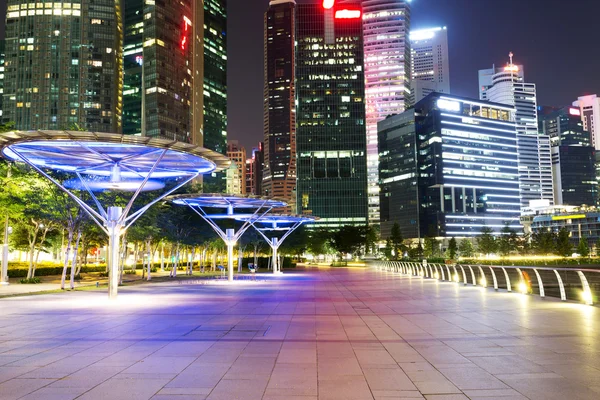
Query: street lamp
{"type": "Point", "coordinates": [7, 231]}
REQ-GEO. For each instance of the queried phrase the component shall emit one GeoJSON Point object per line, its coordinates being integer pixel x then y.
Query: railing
{"type": "Point", "coordinates": [564, 283]}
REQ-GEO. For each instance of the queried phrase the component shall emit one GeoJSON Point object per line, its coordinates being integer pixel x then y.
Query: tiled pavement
{"type": "Point", "coordinates": [313, 334]}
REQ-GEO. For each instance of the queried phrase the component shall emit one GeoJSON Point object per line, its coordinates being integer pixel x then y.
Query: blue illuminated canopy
{"type": "Point", "coordinates": [97, 154]}
{"type": "Point", "coordinates": [225, 201]}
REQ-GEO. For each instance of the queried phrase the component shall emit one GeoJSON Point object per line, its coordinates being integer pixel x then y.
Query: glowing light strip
{"type": "Point", "coordinates": [480, 119]}
{"type": "Point", "coordinates": [482, 187]}
{"type": "Point", "coordinates": [450, 216]}
{"type": "Point", "coordinates": [481, 134]}
{"type": "Point", "coordinates": [475, 103]}
{"type": "Point", "coordinates": [484, 225]}
{"type": "Point", "coordinates": [476, 149]}
{"type": "Point", "coordinates": [462, 177]}
{"type": "Point", "coordinates": [504, 196]}
{"type": "Point", "coordinates": [480, 127]}
{"type": "Point", "coordinates": [464, 139]}
{"type": "Point", "coordinates": [450, 155]}
{"type": "Point", "coordinates": [452, 161]}
{"type": "Point", "coordinates": [479, 170]}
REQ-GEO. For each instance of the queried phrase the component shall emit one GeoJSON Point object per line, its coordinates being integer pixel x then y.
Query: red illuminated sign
{"type": "Point", "coordinates": [347, 14]}
{"type": "Point", "coordinates": [186, 29]}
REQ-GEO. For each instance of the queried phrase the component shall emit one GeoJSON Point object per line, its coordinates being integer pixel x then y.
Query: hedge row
{"type": "Point", "coordinates": [19, 269]}
{"type": "Point", "coordinates": [588, 262]}
{"type": "Point", "coordinates": [47, 271]}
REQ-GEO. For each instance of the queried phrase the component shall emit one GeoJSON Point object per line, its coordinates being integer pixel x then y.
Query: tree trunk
{"type": "Point", "coordinates": [66, 260]}
{"type": "Point", "coordinates": [135, 255]}
{"type": "Point", "coordinates": [32, 242]}
{"type": "Point", "coordinates": [75, 253]}
{"type": "Point", "coordinates": [191, 263]}
{"type": "Point", "coordinates": [149, 249]}
{"type": "Point", "coordinates": [240, 258]}
{"type": "Point", "coordinates": [162, 257]}
{"type": "Point", "coordinates": [37, 256]}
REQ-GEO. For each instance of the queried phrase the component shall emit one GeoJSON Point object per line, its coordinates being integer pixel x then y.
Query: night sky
{"type": "Point", "coordinates": [556, 41]}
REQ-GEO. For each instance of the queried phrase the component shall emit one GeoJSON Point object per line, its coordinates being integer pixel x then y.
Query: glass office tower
{"type": "Point", "coordinates": [63, 65]}
{"type": "Point", "coordinates": [450, 168]}
{"type": "Point", "coordinates": [279, 96]}
{"type": "Point", "coordinates": [331, 129]}
{"type": "Point", "coordinates": [387, 76]}
{"type": "Point", "coordinates": [160, 70]}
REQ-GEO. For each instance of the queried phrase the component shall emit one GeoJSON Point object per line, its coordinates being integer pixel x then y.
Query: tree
{"type": "Point", "coordinates": [431, 247]}
{"type": "Point", "coordinates": [348, 240]}
{"type": "Point", "coordinates": [544, 242]}
{"type": "Point", "coordinates": [583, 249]}
{"type": "Point", "coordinates": [466, 249]}
{"type": "Point", "coordinates": [397, 240]}
{"type": "Point", "coordinates": [508, 240]}
{"type": "Point", "coordinates": [371, 239]}
{"type": "Point", "coordinates": [486, 243]}
{"type": "Point", "coordinates": [297, 243]}
{"type": "Point", "coordinates": [452, 249]}
{"type": "Point", "coordinates": [563, 243]}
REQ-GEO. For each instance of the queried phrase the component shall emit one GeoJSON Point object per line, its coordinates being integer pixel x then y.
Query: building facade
{"type": "Point", "coordinates": [254, 170]}
{"type": "Point", "coordinates": [450, 168]}
{"type": "Point", "coordinates": [237, 155]}
{"type": "Point", "coordinates": [589, 107]}
{"type": "Point", "coordinates": [506, 85]}
{"type": "Point", "coordinates": [279, 175]}
{"type": "Point", "coordinates": [430, 66]}
{"type": "Point", "coordinates": [573, 156]}
{"type": "Point", "coordinates": [580, 222]}
{"type": "Point", "coordinates": [63, 65]}
{"type": "Point", "coordinates": [387, 76]}
{"type": "Point", "coordinates": [331, 129]}
{"type": "Point", "coordinates": [215, 75]}
{"type": "Point", "coordinates": [162, 70]}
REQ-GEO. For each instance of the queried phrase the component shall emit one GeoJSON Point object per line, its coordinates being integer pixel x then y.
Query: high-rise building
{"type": "Point", "coordinates": [215, 75]}
{"type": "Point", "coordinates": [449, 168]}
{"type": "Point", "coordinates": [430, 66]}
{"type": "Point", "coordinates": [215, 85]}
{"type": "Point", "coordinates": [162, 70]}
{"type": "Point", "coordinates": [63, 66]}
{"type": "Point", "coordinates": [387, 76]}
{"type": "Point", "coordinates": [589, 107]}
{"type": "Point", "coordinates": [330, 97]}
{"type": "Point", "coordinates": [506, 85]}
{"type": "Point", "coordinates": [254, 168]}
{"type": "Point", "coordinates": [573, 156]}
{"type": "Point", "coordinates": [279, 175]}
{"type": "Point", "coordinates": [237, 155]}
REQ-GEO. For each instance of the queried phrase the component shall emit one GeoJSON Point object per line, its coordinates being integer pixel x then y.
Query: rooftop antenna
{"type": "Point", "coordinates": [511, 55]}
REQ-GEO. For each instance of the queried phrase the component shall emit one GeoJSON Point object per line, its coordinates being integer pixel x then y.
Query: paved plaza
{"type": "Point", "coordinates": [345, 334]}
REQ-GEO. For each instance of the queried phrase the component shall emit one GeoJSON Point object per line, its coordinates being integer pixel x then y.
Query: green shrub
{"type": "Point", "coordinates": [31, 280]}
{"type": "Point", "coordinates": [54, 270]}
{"type": "Point", "coordinates": [129, 272]}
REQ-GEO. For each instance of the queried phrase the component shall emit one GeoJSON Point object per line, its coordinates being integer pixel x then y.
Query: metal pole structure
{"type": "Point", "coordinates": [114, 235]}
{"type": "Point", "coordinates": [4, 277]}
{"type": "Point", "coordinates": [230, 244]}
{"type": "Point", "coordinates": [275, 247]}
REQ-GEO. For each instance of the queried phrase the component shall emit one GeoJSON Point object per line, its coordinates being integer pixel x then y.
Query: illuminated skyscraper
{"type": "Point", "coordinates": [215, 75]}
{"type": "Point", "coordinates": [430, 67]}
{"type": "Point", "coordinates": [506, 85]}
{"type": "Point", "coordinates": [330, 98]}
{"type": "Point", "coordinates": [387, 76]}
{"type": "Point", "coordinates": [449, 168]}
{"type": "Point", "coordinates": [63, 66]}
{"type": "Point", "coordinates": [279, 176]}
{"type": "Point", "coordinates": [162, 70]}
